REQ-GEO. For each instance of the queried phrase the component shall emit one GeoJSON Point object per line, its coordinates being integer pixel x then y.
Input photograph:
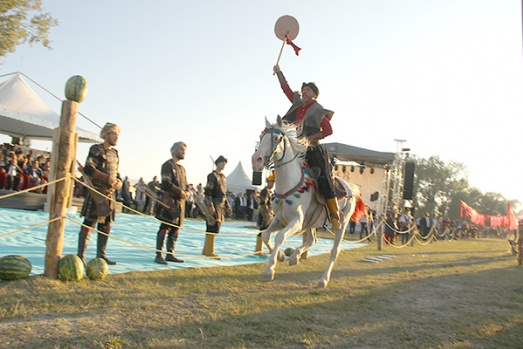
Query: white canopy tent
{"type": "Point", "coordinates": [23, 114]}
{"type": "Point", "coordinates": [238, 181]}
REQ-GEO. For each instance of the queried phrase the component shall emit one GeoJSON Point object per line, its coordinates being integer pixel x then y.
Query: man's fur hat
{"type": "Point", "coordinates": [108, 128]}
{"type": "Point", "coordinates": [312, 86]}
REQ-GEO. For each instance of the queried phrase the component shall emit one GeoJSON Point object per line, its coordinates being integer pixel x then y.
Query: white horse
{"type": "Point", "coordinates": [295, 205]}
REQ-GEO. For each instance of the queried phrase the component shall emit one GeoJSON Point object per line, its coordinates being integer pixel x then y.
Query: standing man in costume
{"type": "Point", "coordinates": [101, 167]}
{"type": "Point", "coordinates": [216, 201]}
{"type": "Point", "coordinates": [266, 213]}
{"type": "Point", "coordinates": [174, 192]}
{"type": "Point", "coordinates": [312, 122]}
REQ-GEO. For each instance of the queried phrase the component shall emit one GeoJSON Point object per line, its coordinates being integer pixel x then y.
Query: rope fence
{"type": "Point", "coordinates": [377, 232]}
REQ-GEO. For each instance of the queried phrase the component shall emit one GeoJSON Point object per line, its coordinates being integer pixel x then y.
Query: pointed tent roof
{"type": "Point", "coordinates": [238, 181]}
{"type": "Point", "coordinates": [24, 114]}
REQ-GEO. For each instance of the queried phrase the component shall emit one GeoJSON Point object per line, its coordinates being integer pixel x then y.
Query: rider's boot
{"type": "Point", "coordinates": [332, 204]}
{"type": "Point", "coordinates": [259, 246]}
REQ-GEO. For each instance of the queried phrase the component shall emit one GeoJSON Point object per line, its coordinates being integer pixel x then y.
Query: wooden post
{"type": "Point", "coordinates": [379, 235]}
{"type": "Point", "coordinates": [519, 240]}
{"type": "Point", "coordinates": [62, 192]}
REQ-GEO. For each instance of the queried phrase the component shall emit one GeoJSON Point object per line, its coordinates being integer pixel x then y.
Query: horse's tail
{"type": "Point", "coordinates": [359, 210]}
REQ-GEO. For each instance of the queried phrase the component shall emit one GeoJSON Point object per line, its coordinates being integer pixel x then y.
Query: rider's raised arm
{"type": "Point", "coordinates": [283, 83]}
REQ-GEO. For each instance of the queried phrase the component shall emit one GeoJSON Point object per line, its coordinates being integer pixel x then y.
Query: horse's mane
{"type": "Point", "coordinates": [298, 145]}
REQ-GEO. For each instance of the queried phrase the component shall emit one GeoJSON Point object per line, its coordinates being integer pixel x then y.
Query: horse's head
{"type": "Point", "coordinates": [270, 144]}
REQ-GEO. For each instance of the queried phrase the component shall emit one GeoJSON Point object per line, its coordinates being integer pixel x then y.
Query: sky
{"type": "Point", "coordinates": [446, 76]}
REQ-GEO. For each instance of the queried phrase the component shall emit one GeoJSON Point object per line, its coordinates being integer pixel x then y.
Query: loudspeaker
{"type": "Point", "coordinates": [17, 140]}
{"type": "Point", "coordinates": [408, 183]}
{"type": "Point", "coordinates": [256, 177]}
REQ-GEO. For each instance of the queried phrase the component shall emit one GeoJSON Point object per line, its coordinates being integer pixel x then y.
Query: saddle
{"type": "Point", "coordinates": [337, 187]}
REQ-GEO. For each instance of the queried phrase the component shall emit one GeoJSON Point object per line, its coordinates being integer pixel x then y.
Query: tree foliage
{"type": "Point", "coordinates": [439, 187]}
{"type": "Point", "coordinates": [23, 21]}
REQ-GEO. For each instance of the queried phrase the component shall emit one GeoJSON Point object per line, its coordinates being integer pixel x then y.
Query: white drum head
{"type": "Point", "coordinates": [286, 25]}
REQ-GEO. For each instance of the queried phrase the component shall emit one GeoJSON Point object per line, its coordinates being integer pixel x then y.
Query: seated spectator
{"type": "Point", "coordinates": [14, 178]}
{"type": "Point", "coordinates": [35, 177]}
{"type": "Point", "coordinates": [46, 167]}
{"type": "Point", "coordinates": [3, 173]}
{"type": "Point", "coordinates": [22, 165]}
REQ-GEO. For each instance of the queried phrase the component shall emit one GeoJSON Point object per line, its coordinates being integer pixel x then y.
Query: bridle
{"type": "Point", "coordinates": [282, 137]}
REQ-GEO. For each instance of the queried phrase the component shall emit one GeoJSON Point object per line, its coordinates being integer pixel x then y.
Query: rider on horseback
{"type": "Point", "coordinates": [312, 122]}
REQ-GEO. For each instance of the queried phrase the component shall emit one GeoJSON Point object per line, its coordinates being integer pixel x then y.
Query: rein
{"type": "Point", "coordinates": [298, 186]}
{"type": "Point", "coordinates": [283, 136]}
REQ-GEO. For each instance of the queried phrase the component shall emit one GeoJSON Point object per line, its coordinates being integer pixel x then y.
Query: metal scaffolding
{"type": "Point", "coordinates": [392, 188]}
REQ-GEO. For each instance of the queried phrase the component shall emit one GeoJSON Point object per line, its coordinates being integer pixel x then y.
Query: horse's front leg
{"type": "Point", "coordinates": [309, 239]}
{"type": "Point", "coordinates": [266, 234]}
{"type": "Point", "coordinates": [338, 238]}
{"type": "Point", "coordinates": [276, 254]}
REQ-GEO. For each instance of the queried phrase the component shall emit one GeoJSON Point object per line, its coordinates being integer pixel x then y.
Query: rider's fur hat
{"type": "Point", "coordinates": [312, 86]}
{"type": "Point", "coordinates": [221, 158]}
{"type": "Point", "coordinates": [108, 128]}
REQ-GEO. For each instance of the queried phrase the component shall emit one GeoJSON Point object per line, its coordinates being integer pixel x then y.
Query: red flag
{"type": "Point", "coordinates": [512, 220]}
{"type": "Point", "coordinates": [289, 42]}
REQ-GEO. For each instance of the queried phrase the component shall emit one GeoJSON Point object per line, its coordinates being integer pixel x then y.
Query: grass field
{"type": "Point", "coordinates": [457, 294]}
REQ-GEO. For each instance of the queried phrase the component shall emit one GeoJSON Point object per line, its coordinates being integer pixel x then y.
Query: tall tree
{"type": "Point", "coordinates": [439, 187]}
{"type": "Point", "coordinates": [436, 183]}
{"type": "Point", "coordinates": [23, 21]}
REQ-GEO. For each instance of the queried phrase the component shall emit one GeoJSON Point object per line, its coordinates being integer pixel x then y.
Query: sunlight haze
{"type": "Point", "coordinates": [445, 75]}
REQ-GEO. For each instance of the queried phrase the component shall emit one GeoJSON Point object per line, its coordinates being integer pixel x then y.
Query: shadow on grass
{"type": "Point", "coordinates": [367, 306]}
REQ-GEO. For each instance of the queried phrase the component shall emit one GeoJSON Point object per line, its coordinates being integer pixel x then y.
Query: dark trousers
{"type": "Point", "coordinates": [363, 230]}
{"type": "Point", "coordinates": [315, 158]}
{"type": "Point", "coordinates": [352, 227]}
{"type": "Point", "coordinates": [172, 236]}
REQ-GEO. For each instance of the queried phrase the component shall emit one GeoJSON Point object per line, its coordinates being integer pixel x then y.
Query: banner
{"type": "Point", "coordinates": [510, 221]}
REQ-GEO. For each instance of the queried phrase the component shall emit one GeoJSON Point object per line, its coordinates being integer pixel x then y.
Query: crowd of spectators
{"type": "Point", "coordinates": [400, 224]}
{"type": "Point", "coordinates": [22, 168]}
{"type": "Point", "coordinates": [244, 204]}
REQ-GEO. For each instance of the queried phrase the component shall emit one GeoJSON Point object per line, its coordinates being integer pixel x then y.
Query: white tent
{"type": "Point", "coordinates": [238, 181]}
{"type": "Point", "coordinates": [23, 114]}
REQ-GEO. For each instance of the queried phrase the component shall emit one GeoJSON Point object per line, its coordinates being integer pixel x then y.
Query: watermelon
{"type": "Point", "coordinates": [97, 269]}
{"type": "Point", "coordinates": [76, 88]}
{"type": "Point", "coordinates": [14, 267]}
{"type": "Point", "coordinates": [289, 251]}
{"type": "Point", "coordinates": [70, 268]}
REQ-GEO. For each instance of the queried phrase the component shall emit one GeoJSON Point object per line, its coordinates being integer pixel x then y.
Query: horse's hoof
{"type": "Point", "coordinates": [294, 260]}
{"type": "Point", "coordinates": [267, 276]}
{"type": "Point", "coordinates": [322, 284]}
{"type": "Point", "coordinates": [281, 256]}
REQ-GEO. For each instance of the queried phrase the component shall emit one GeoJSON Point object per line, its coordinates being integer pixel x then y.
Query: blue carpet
{"type": "Point", "coordinates": [135, 252]}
